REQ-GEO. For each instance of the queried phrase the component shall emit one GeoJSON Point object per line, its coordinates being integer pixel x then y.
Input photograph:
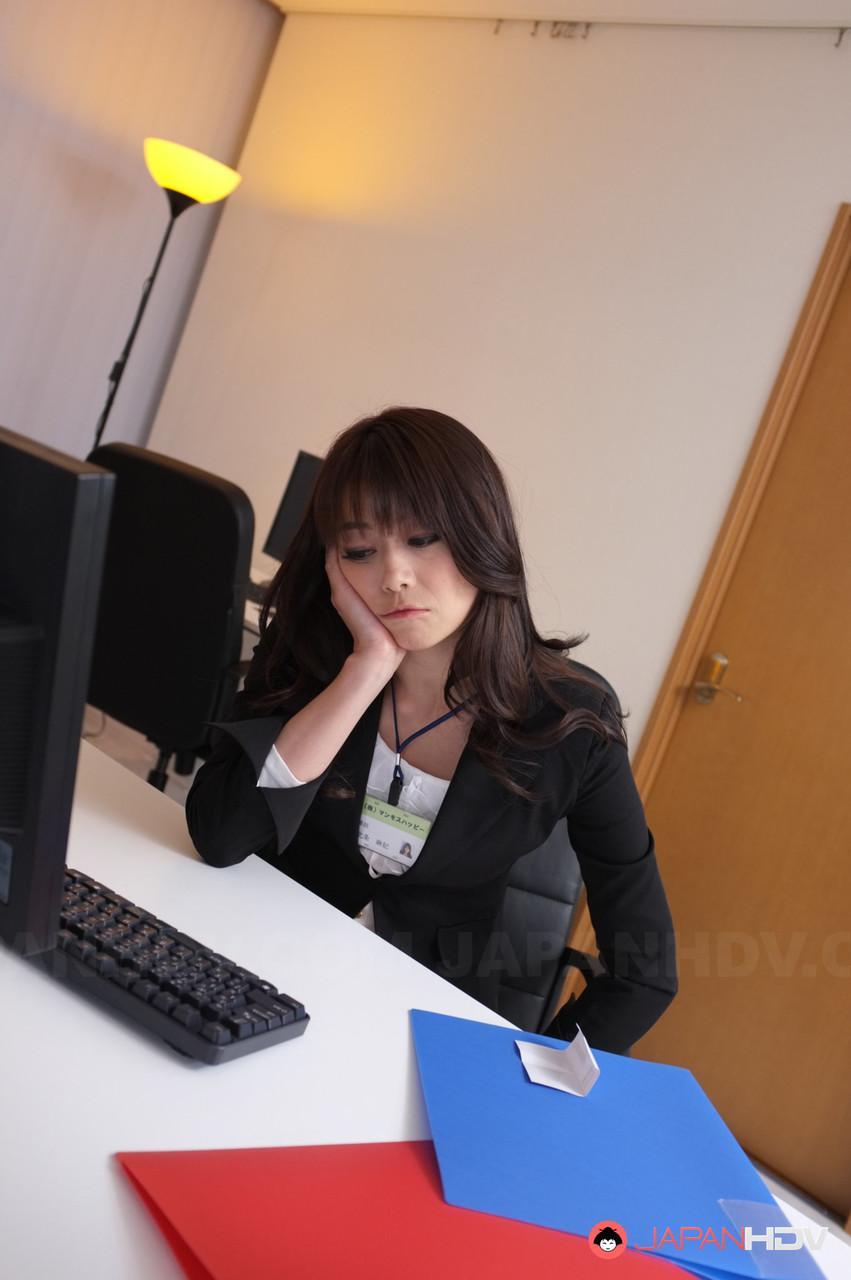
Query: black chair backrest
{"type": "Point", "coordinates": [540, 902]}
{"type": "Point", "coordinates": [173, 597]}
{"type": "Point", "coordinates": [537, 916]}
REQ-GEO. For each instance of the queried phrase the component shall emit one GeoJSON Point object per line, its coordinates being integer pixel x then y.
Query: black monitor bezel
{"type": "Point", "coordinates": [54, 521]}
{"type": "Point", "coordinates": [293, 504]}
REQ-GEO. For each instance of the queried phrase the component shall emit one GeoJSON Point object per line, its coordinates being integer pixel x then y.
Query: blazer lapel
{"type": "Point", "coordinates": [474, 803]}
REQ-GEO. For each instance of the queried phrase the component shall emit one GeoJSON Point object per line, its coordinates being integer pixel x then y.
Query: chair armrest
{"type": "Point", "coordinates": [590, 967]}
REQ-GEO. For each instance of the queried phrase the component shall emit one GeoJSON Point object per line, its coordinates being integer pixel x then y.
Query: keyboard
{"type": "Point", "coordinates": [203, 1004]}
{"type": "Point", "coordinates": [257, 592]}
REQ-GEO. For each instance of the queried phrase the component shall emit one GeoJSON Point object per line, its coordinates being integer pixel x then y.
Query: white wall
{"type": "Point", "coordinates": [593, 252]}
{"type": "Point", "coordinates": [81, 84]}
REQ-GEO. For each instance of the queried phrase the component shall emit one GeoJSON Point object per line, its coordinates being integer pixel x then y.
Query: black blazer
{"type": "Point", "coordinates": [445, 910]}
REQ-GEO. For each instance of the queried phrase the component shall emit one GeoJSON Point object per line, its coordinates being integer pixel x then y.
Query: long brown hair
{"type": "Point", "coordinates": [409, 467]}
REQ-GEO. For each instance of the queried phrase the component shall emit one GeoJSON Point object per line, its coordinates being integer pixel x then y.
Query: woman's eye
{"type": "Point", "coordinates": [361, 553]}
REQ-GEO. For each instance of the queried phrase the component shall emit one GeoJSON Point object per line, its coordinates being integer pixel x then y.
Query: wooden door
{"type": "Point", "coordinates": [750, 801]}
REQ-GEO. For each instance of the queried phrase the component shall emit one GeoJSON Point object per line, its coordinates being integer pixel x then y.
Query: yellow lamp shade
{"type": "Point", "coordinates": [191, 173]}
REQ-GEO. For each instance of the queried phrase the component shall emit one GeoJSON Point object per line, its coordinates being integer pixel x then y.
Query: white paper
{"type": "Point", "coordinates": [572, 1069]}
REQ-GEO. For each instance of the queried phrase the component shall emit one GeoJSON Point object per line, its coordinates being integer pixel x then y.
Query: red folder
{"type": "Point", "coordinates": [343, 1212]}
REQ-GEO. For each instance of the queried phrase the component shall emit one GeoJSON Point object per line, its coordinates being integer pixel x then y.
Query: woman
{"type": "Point", "coordinates": [400, 694]}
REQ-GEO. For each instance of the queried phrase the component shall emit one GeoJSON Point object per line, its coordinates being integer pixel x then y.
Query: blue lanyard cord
{"type": "Point", "coordinates": [398, 777]}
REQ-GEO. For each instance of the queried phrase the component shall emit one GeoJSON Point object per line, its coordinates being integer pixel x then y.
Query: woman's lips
{"type": "Point", "coordinates": [405, 613]}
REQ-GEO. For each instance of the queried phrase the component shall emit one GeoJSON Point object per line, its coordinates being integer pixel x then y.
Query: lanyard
{"type": "Point", "coordinates": [398, 777]}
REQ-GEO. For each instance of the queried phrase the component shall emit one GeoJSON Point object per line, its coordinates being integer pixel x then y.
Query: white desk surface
{"type": "Point", "coordinates": [79, 1085]}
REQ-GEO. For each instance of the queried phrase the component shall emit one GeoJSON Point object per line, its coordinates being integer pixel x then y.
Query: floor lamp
{"type": "Point", "coordinates": [187, 177]}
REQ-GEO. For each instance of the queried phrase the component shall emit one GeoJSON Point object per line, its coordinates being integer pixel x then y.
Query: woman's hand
{"type": "Point", "coordinates": [374, 644]}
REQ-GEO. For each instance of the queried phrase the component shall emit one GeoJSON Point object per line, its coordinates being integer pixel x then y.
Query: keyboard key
{"type": "Point", "coordinates": [129, 919]}
{"type": "Point", "coordinates": [161, 969]}
{"type": "Point", "coordinates": [92, 927]}
{"type": "Point", "coordinates": [179, 985]}
{"type": "Point", "coordinates": [188, 1016]}
{"type": "Point", "coordinates": [162, 946]}
{"type": "Point", "coordinates": [200, 999]}
{"type": "Point", "coordinates": [185, 941]}
{"type": "Point", "coordinates": [257, 984]}
{"type": "Point", "coordinates": [281, 1008]}
{"type": "Point", "coordinates": [80, 949]}
{"type": "Point", "coordinates": [248, 976]}
{"type": "Point", "coordinates": [165, 1002]}
{"type": "Point", "coordinates": [264, 1019]}
{"type": "Point", "coordinates": [216, 1008]}
{"type": "Point", "coordinates": [295, 1005]}
{"type": "Point", "coordinates": [240, 1024]}
{"type": "Point", "coordinates": [124, 978]}
{"type": "Point", "coordinates": [215, 1032]}
{"type": "Point", "coordinates": [237, 987]}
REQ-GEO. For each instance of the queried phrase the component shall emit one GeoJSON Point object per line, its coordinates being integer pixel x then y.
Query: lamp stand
{"type": "Point", "coordinates": [177, 204]}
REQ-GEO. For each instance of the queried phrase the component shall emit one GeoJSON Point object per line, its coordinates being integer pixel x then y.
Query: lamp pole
{"type": "Point", "coordinates": [177, 203]}
{"type": "Point", "coordinates": [187, 177]}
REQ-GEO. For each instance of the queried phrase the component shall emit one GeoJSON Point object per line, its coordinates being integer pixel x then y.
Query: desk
{"type": "Point", "coordinates": [79, 1085]}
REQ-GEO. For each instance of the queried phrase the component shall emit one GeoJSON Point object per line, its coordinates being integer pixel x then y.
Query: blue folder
{"type": "Point", "coordinates": [645, 1149]}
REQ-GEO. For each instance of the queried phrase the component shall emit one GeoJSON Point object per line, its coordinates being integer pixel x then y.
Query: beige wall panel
{"type": "Point", "coordinates": [81, 84]}
{"type": "Point", "coordinates": [593, 252]}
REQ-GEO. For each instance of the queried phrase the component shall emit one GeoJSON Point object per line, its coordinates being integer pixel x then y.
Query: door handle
{"type": "Point", "coordinates": [714, 668]}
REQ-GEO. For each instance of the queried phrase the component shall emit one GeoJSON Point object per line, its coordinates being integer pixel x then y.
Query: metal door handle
{"type": "Point", "coordinates": [706, 691]}
{"type": "Point", "coordinates": [714, 667]}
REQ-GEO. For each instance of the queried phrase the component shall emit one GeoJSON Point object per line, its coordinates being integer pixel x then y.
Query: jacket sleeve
{"type": "Point", "coordinates": [228, 815]}
{"type": "Point", "coordinates": [626, 902]}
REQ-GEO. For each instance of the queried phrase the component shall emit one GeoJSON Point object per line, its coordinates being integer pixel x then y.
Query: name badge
{"type": "Point", "coordinates": [391, 831]}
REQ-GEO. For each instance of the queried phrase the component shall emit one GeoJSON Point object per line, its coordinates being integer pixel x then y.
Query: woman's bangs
{"type": "Point", "coordinates": [375, 494]}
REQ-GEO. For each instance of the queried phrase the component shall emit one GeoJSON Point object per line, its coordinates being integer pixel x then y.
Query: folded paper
{"type": "Point", "coordinates": [571, 1068]}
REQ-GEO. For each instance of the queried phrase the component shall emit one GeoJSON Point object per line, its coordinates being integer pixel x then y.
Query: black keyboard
{"type": "Point", "coordinates": [201, 1003]}
{"type": "Point", "coordinates": [257, 592]}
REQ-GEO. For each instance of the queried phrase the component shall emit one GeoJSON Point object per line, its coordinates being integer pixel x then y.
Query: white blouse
{"type": "Point", "coordinates": [422, 794]}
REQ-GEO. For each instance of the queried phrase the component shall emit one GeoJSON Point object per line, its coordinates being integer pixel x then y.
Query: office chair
{"type": "Point", "coordinates": [538, 912]}
{"type": "Point", "coordinates": [169, 631]}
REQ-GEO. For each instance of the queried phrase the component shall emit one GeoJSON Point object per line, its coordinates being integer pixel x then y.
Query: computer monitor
{"type": "Point", "coordinates": [294, 503]}
{"type": "Point", "coordinates": [54, 517]}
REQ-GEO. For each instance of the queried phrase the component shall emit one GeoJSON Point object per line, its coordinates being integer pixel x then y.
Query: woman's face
{"type": "Point", "coordinates": [407, 568]}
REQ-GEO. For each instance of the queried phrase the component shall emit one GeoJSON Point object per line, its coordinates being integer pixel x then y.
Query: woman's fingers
{"type": "Point", "coordinates": [368, 631]}
{"type": "Point", "coordinates": [351, 607]}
